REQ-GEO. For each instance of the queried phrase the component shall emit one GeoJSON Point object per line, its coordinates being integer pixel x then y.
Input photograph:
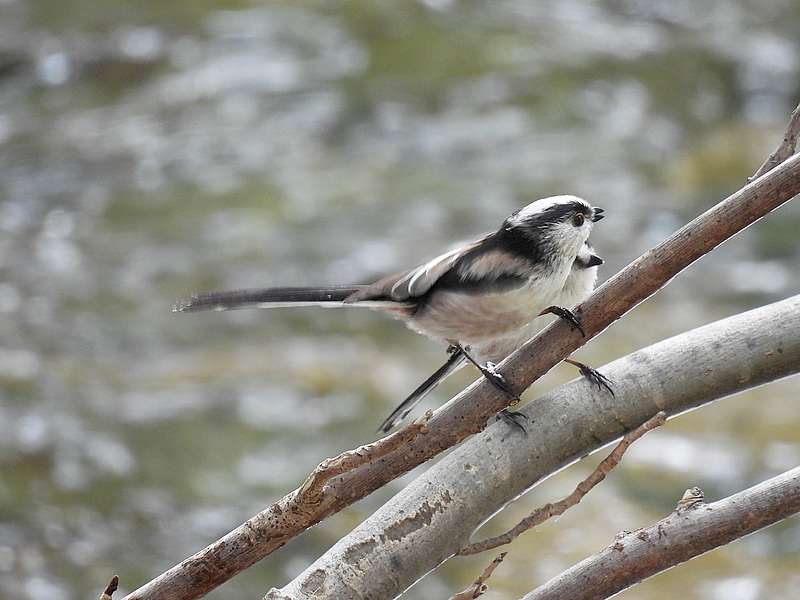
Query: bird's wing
{"type": "Point", "coordinates": [412, 284]}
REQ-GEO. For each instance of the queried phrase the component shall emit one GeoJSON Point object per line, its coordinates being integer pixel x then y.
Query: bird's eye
{"type": "Point", "coordinates": [578, 219]}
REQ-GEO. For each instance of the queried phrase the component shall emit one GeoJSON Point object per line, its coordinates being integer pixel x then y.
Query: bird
{"type": "Point", "coordinates": [579, 284]}
{"type": "Point", "coordinates": [468, 297]}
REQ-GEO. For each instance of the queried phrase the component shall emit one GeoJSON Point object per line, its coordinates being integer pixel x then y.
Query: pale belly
{"type": "Point", "coordinates": [474, 318]}
{"type": "Point", "coordinates": [576, 289]}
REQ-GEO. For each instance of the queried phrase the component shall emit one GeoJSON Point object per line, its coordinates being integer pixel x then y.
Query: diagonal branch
{"type": "Point", "coordinates": [110, 588]}
{"type": "Point", "coordinates": [274, 526]}
{"type": "Point", "coordinates": [554, 509]}
{"type": "Point", "coordinates": [436, 514]}
{"type": "Point", "coordinates": [471, 409]}
{"type": "Point", "coordinates": [478, 587]}
{"type": "Point", "coordinates": [691, 530]}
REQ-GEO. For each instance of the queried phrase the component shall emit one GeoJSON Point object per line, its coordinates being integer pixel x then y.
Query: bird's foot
{"type": "Point", "coordinates": [593, 375]}
{"type": "Point", "coordinates": [497, 380]}
{"type": "Point", "coordinates": [567, 315]}
{"type": "Point", "coordinates": [515, 419]}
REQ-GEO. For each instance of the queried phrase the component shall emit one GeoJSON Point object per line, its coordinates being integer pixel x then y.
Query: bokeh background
{"type": "Point", "coordinates": [150, 149]}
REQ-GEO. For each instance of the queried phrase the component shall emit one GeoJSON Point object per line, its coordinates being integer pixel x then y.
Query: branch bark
{"type": "Point", "coordinates": [688, 532]}
{"type": "Point", "coordinates": [785, 149]}
{"type": "Point", "coordinates": [110, 588]}
{"type": "Point", "coordinates": [554, 509]}
{"type": "Point", "coordinates": [470, 410]}
{"type": "Point", "coordinates": [273, 527]}
{"type": "Point", "coordinates": [435, 515]}
{"type": "Point", "coordinates": [478, 587]}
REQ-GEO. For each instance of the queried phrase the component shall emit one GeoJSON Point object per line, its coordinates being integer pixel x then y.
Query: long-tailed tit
{"type": "Point", "coordinates": [469, 296]}
{"type": "Point", "coordinates": [578, 286]}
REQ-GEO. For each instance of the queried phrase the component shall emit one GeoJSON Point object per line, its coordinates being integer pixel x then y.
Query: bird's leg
{"type": "Point", "coordinates": [594, 376]}
{"type": "Point", "coordinates": [567, 315]}
{"type": "Point", "coordinates": [497, 380]}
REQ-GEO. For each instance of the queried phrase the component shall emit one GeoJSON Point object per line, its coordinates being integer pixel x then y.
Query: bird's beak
{"type": "Point", "coordinates": [594, 260]}
{"type": "Point", "coordinates": [597, 214]}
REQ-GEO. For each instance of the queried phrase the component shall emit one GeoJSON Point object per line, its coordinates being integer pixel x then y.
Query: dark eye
{"type": "Point", "coordinates": [578, 219]}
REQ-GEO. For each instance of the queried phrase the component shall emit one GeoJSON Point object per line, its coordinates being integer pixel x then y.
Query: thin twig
{"type": "Point", "coordinates": [295, 512]}
{"type": "Point", "coordinates": [311, 491]}
{"type": "Point", "coordinates": [478, 587]}
{"type": "Point", "coordinates": [693, 528]}
{"type": "Point", "coordinates": [785, 149]}
{"type": "Point", "coordinates": [110, 588]}
{"type": "Point", "coordinates": [554, 509]}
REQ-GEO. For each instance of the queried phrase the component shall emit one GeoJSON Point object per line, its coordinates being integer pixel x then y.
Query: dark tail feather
{"type": "Point", "coordinates": [266, 298]}
{"type": "Point", "coordinates": [407, 405]}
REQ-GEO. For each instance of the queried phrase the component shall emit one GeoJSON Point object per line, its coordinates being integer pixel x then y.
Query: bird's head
{"type": "Point", "coordinates": [562, 223]}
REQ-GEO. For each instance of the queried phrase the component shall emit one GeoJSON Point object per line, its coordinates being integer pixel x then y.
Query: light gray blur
{"type": "Point", "coordinates": [151, 149]}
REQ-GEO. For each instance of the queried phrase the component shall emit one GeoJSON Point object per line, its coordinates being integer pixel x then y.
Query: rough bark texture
{"type": "Point", "coordinates": [684, 534]}
{"type": "Point", "coordinates": [554, 509]}
{"type": "Point", "coordinates": [273, 527]}
{"type": "Point", "coordinates": [469, 413]}
{"type": "Point", "coordinates": [434, 516]}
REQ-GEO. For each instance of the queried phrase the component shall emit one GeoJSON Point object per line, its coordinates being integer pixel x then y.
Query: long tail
{"type": "Point", "coordinates": [453, 363]}
{"type": "Point", "coordinates": [270, 298]}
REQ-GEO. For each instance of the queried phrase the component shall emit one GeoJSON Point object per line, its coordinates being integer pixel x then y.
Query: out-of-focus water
{"type": "Point", "coordinates": [152, 149]}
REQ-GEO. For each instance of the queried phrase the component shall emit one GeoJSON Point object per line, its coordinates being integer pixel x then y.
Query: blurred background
{"type": "Point", "coordinates": [156, 148]}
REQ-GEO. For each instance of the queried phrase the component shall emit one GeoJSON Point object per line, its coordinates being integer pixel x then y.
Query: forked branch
{"type": "Point", "coordinates": [554, 509]}
{"type": "Point", "coordinates": [785, 149]}
{"type": "Point", "coordinates": [692, 529]}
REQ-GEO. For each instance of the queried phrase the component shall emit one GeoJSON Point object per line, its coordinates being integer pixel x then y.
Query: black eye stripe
{"type": "Point", "coordinates": [558, 213]}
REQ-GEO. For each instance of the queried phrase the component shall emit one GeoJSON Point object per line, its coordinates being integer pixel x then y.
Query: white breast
{"type": "Point", "coordinates": [476, 318]}
{"type": "Point", "coordinates": [577, 288]}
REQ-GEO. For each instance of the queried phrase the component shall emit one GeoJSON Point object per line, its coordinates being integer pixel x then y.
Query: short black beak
{"type": "Point", "coordinates": [594, 260]}
{"type": "Point", "coordinates": [598, 214]}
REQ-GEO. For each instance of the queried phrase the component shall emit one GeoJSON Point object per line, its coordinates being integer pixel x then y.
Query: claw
{"type": "Point", "coordinates": [498, 381]}
{"type": "Point", "coordinates": [567, 315]}
{"type": "Point", "coordinates": [515, 419]}
{"type": "Point", "coordinates": [600, 380]}
{"type": "Point", "coordinates": [594, 376]}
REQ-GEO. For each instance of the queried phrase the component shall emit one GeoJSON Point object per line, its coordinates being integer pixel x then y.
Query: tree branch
{"type": "Point", "coordinates": [785, 149]}
{"type": "Point", "coordinates": [689, 531]}
{"type": "Point", "coordinates": [554, 509]}
{"type": "Point", "coordinates": [478, 587]}
{"type": "Point", "coordinates": [110, 588]}
{"type": "Point", "coordinates": [468, 414]}
{"type": "Point", "coordinates": [437, 513]}
{"type": "Point", "coordinates": [309, 503]}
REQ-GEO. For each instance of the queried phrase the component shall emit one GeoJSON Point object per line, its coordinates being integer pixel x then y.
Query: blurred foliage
{"type": "Point", "coordinates": [153, 149]}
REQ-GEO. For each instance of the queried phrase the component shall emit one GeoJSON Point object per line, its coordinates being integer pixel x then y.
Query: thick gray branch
{"type": "Point", "coordinates": [675, 539]}
{"type": "Point", "coordinates": [272, 528]}
{"type": "Point", "coordinates": [436, 514]}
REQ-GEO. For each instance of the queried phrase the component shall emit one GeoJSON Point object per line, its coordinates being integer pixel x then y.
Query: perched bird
{"type": "Point", "coordinates": [468, 297]}
{"type": "Point", "coordinates": [579, 284]}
